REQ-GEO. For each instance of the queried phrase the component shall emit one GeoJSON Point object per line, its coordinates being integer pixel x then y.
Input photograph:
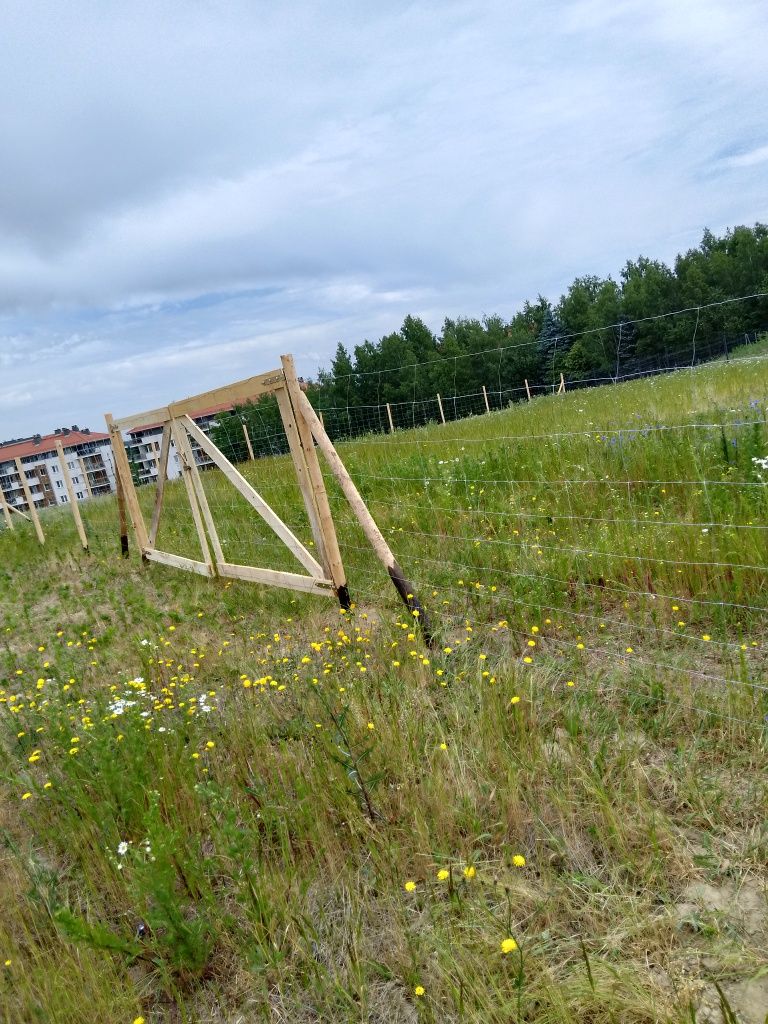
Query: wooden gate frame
{"type": "Point", "coordinates": [302, 428]}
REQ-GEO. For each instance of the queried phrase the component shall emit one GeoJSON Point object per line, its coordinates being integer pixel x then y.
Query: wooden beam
{"type": "Point", "coordinates": [162, 473]}
{"type": "Point", "coordinates": [255, 500]}
{"type": "Point", "coordinates": [375, 537]}
{"type": "Point", "coordinates": [72, 496]}
{"type": "Point", "coordinates": [389, 417]}
{"type": "Point", "coordinates": [234, 394]}
{"type": "Point", "coordinates": [485, 396]}
{"type": "Point", "coordinates": [30, 501]}
{"type": "Point", "coordinates": [440, 407]}
{"type": "Point", "coordinates": [561, 389]}
{"type": "Point", "coordinates": [197, 483]}
{"type": "Point", "coordinates": [178, 562]}
{"type": "Point", "coordinates": [84, 474]}
{"type": "Point", "coordinates": [123, 472]}
{"type": "Point", "coordinates": [302, 475]}
{"type": "Point", "coordinates": [330, 540]}
{"type": "Point", "coordinates": [275, 578]}
{"type": "Point", "coordinates": [6, 512]}
{"type": "Point", "coordinates": [177, 436]}
{"type": "Point", "coordinates": [527, 390]}
{"type": "Point", "coordinates": [248, 441]}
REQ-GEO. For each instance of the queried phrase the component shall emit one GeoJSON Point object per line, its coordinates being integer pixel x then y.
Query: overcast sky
{"type": "Point", "coordinates": [189, 189]}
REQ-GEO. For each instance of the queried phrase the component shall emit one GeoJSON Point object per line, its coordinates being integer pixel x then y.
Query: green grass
{"type": "Point", "coordinates": [279, 771]}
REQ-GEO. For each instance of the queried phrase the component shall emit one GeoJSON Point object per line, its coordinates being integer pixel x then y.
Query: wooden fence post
{"type": "Point", "coordinates": [248, 441]}
{"type": "Point", "coordinates": [389, 417]}
{"type": "Point", "coordinates": [30, 502]}
{"type": "Point", "coordinates": [374, 535]}
{"type": "Point", "coordinates": [527, 390]}
{"type": "Point", "coordinates": [126, 488]}
{"type": "Point", "coordinates": [318, 495]}
{"type": "Point", "coordinates": [6, 512]}
{"type": "Point", "coordinates": [561, 389]}
{"type": "Point", "coordinates": [72, 496]}
{"type": "Point", "coordinates": [440, 406]}
{"type": "Point", "coordinates": [84, 473]}
{"type": "Point", "coordinates": [485, 396]}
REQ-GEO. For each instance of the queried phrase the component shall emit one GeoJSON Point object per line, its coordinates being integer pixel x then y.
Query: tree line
{"type": "Point", "coordinates": [600, 329]}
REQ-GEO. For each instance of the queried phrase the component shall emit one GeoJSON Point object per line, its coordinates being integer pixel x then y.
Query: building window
{"type": "Point", "coordinates": [59, 483]}
{"type": "Point", "coordinates": [80, 495]}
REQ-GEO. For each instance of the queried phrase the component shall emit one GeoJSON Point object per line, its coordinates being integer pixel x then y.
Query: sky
{"type": "Point", "coordinates": [188, 190]}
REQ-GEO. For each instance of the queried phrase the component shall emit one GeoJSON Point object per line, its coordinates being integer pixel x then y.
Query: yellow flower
{"type": "Point", "coordinates": [469, 871]}
{"type": "Point", "coordinates": [210, 744]}
{"type": "Point", "coordinates": [410, 886]}
{"type": "Point", "coordinates": [138, 1020]}
{"type": "Point", "coordinates": [515, 700]}
{"type": "Point", "coordinates": [371, 725]}
{"type": "Point", "coordinates": [443, 874]}
{"type": "Point", "coordinates": [706, 636]}
{"type": "Point", "coordinates": [419, 991]}
{"type": "Point", "coordinates": [518, 860]}
{"type": "Point", "coordinates": [508, 946]}
{"type": "Point", "coordinates": [528, 661]}
{"type": "Point", "coordinates": [25, 796]}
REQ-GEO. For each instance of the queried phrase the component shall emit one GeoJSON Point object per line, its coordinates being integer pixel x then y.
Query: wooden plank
{"type": "Point", "coordinates": [30, 502]}
{"type": "Point", "coordinates": [178, 562]}
{"type": "Point", "coordinates": [527, 390]}
{"type": "Point", "coordinates": [72, 496]}
{"type": "Point", "coordinates": [240, 391]}
{"type": "Point", "coordinates": [177, 435]}
{"type": "Point", "coordinates": [389, 417]}
{"type": "Point", "coordinates": [302, 474]}
{"type": "Point", "coordinates": [561, 389]}
{"type": "Point", "coordinates": [162, 473]}
{"type": "Point", "coordinates": [335, 564]}
{"type": "Point", "coordinates": [18, 512]}
{"type": "Point", "coordinates": [248, 440]}
{"type": "Point", "coordinates": [123, 470]}
{"type": "Point", "coordinates": [485, 396]}
{"type": "Point", "coordinates": [255, 500]}
{"type": "Point", "coordinates": [6, 512]}
{"type": "Point", "coordinates": [275, 578]}
{"type": "Point", "coordinates": [375, 537]}
{"type": "Point", "coordinates": [440, 406]}
{"type": "Point", "coordinates": [197, 483]}
{"type": "Point", "coordinates": [84, 474]}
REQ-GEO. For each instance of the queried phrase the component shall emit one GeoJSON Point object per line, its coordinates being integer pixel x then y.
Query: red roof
{"type": "Point", "coordinates": [227, 407]}
{"type": "Point", "coordinates": [21, 449]}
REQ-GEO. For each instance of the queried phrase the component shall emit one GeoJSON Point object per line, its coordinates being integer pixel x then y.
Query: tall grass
{"type": "Point", "coordinates": [225, 803]}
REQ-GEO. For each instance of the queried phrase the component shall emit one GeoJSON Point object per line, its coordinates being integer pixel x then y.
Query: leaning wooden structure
{"type": "Point", "coordinates": [323, 574]}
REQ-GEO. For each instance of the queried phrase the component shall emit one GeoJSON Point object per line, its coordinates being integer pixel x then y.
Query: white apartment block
{"type": "Point", "coordinates": [88, 456]}
{"type": "Point", "coordinates": [144, 443]}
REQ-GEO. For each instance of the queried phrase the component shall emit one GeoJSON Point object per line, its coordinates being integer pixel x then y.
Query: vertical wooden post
{"type": "Point", "coordinates": [375, 537]}
{"type": "Point", "coordinates": [84, 473]}
{"type": "Point", "coordinates": [122, 516]}
{"type": "Point", "coordinates": [248, 441]}
{"type": "Point", "coordinates": [30, 502]}
{"type": "Point", "coordinates": [485, 396]}
{"type": "Point", "coordinates": [162, 473]}
{"type": "Point", "coordinates": [440, 406]}
{"type": "Point", "coordinates": [184, 446]}
{"type": "Point", "coordinates": [561, 389]}
{"type": "Point", "coordinates": [319, 494]}
{"type": "Point", "coordinates": [72, 496]}
{"type": "Point", "coordinates": [527, 390]}
{"type": "Point", "coordinates": [179, 438]}
{"type": "Point", "coordinates": [6, 512]}
{"type": "Point", "coordinates": [389, 417]}
{"type": "Point", "coordinates": [124, 478]}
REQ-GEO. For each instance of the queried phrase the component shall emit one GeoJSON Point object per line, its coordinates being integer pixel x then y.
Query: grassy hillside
{"type": "Point", "coordinates": [225, 803]}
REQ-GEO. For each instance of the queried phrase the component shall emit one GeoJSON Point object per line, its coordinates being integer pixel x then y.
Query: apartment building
{"type": "Point", "coordinates": [144, 443]}
{"type": "Point", "coordinates": [88, 456]}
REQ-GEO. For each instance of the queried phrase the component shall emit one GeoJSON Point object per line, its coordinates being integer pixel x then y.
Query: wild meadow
{"type": "Point", "coordinates": [226, 803]}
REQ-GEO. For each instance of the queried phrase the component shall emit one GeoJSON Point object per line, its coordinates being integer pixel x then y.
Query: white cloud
{"type": "Point", "coordinates": [194, 188]}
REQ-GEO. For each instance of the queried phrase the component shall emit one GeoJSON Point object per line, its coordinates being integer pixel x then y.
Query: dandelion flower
{"type": "Point", "coordinates": [25, 796]}
{"type": "Point", "coordinates": [508, 946]}
{"type": "Point", "coordinates": [443, 874]}
{"type": "Point", "coordinates": [469, 871]}
{"type": "Point", "coordinates": [210, 744]}
{"type": "Point", "coordinates": [419, 991]}
{"type": "Point", "coordinates": [410, 886]}
{"type": "Point", "coordinates": [443, 746]}
{"type": "Point", "coordinates": [371, 725]}
{"type": "Point", "coordinates": [515, 700]}
{"type": "Point", "coordinates": [518, 860]}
